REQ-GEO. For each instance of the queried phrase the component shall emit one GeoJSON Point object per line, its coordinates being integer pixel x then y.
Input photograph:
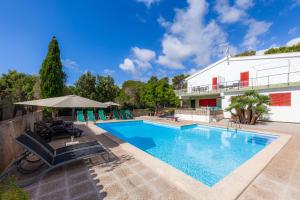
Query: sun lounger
{"type": "Point", "coordinates": [91, 116]}
{"type": "Point", "coordinates": [49, 160]}
{"type": "Point", "coordinates": [116, 114]}
{"type": "Point", "coordinates": [101, 115]}
{"type": "Point", "coordinates": [123, 114]}
{"type": "Point", "coordinates": [35, 138]}
{"type": "Point", "coordinates": [129, 114]}
{"type": "Point", "coordinates": [80, 116]}
{"type": "Point", "coordinates": [48, 132]}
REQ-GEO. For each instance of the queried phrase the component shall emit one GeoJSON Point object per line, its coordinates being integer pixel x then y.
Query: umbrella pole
{"type": "Point", "coordinates": [73, 114]}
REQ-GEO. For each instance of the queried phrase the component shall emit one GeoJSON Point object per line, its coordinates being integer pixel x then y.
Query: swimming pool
{"type": "Point", "coordinates": [205, 153]}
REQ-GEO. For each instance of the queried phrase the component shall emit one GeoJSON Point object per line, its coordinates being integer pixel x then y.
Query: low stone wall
{"type": "Point", "coordinates": [140, 112]}
{"type": "Point", "coordinates": [9, 130]}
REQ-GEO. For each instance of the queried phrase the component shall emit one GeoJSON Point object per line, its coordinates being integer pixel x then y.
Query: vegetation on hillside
{"type": "Point", "coordinates": [246, 53]}
{"type": "Point", "coordinates": [247, 108]}
{"type": "Point", "coordinates": [284, 49]}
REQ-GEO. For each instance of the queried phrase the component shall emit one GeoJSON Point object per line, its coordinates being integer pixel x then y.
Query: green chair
{"type": "Point", "coordinates": [91, 116]}
{"type": "Point", "coordinates": [116, 114]}
{"type": "Point", "coordinates": [101, 115]}
{"type": "Point", "coordinates": [123, 114]}
{"type": "Point", "coordinates": [80, 116]}
{"type": "Point", "coordinates": [129, 114]}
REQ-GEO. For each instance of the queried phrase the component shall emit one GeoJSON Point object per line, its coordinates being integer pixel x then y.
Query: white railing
{"type": "Point", "coordinates": [276, 80]}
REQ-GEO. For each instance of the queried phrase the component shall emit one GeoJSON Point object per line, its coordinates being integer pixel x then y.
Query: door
{"type": "Point", "coordinates": [214, 83]}
{"type": "Point", "coordinates": [244, 79]}
{"type": "Point", "coordinates": [193, 104]}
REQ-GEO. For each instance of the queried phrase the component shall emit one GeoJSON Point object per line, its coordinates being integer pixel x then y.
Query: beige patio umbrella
{"type": "Point", "coordinates": [69, 101]}
{"type": "Point", "coordinates": [110, 103]}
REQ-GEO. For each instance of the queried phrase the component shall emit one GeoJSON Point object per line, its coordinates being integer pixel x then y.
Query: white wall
{"type": "Point", "coordinates": [190, 117]}
{"type": "Point", "coordinates": [230, 71]}
{"type": "Point", "coordinates": [277, 113]}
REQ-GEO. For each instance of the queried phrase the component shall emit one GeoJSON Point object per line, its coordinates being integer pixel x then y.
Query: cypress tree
{"type": "Point", "coordinates": [51, 73]}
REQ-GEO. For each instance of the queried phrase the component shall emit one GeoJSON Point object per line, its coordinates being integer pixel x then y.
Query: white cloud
{"type": "Point", "coordinates": [245, 4]}
{"type": "Point", "coordinates": [72, 65]}
{"type": "Point", "coordinates": [255, 29]}
{"type": "Point", "coordinates": [293, 30]}
{"type": "Point", "coordinates": [127, 65]}
{"type": "Point", "coordinates": [188, 38]}
{"type": "Point", "coordinates": [293, 42]}
{"type": "Point", "coordinates": [139, 62]}
{"type": "Point", "coordinates": [148, 3]}
{"type": "Point", "coordinates": [109, 71]}
{"type": "Point", "coordinates": [295, 3]}
{"type": "Point", "coordinates": [163, 22]}
{"type": "Point", "coordinates": [142, 57]}
{"type": "Point", "coordinates": [232, 13]}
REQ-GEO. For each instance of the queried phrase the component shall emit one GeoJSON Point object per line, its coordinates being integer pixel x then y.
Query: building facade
{"type": "Point", "coordinates": [276, 75]}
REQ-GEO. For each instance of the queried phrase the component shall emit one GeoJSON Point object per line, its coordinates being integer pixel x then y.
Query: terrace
{"type": "Point", "coordinates": [291, 79]}
{"type": "Point", "coordinates": [129, 177]}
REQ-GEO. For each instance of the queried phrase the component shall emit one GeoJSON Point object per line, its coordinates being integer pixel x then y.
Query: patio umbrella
{"type": "Point", "coordinates": [69, 101]}
{"type": "Point", "coordinates": [110, 103]}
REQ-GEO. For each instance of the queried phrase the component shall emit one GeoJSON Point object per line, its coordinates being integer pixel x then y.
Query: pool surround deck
{"type": "Point", "coordinates": [229, 187]}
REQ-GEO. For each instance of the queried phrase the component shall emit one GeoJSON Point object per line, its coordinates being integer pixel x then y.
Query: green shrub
{"type": "Point", "coordinates": [246, 53]}
{"type": "Point", "coordinates": [10, 191]}
{"type": "Point", "coordinates": [294, 48]}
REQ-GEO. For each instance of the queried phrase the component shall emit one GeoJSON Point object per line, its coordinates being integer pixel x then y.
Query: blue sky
{"type": "Point", "coordinates": [134, 39]}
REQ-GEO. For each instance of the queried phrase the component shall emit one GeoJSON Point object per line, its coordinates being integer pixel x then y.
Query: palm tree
{"type": "Point", "coordinates": [247, 108]}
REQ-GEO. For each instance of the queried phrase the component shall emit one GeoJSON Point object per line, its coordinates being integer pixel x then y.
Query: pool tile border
{"type": "Point", "coordinates": [229, 187]}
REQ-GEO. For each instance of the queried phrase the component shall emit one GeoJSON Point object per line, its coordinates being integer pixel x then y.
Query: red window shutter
{"type": "Point", "coordinates": [244, 78]}
{"type": "Point", "coordinates": [280, 99]}
{"type": "Point", "coordinates": [214, 83]}
{"type": "Point", "coordinates": [208, 102]}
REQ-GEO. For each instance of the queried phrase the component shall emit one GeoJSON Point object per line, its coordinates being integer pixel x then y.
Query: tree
{"type": "Point", "coordinates": [51, 73]}
{"type": "Point", "coordinates": [247, 108]}
{"type": "Point", "coordinates": [14, 86]}
{"type": "Point", "coordinates": [106, 89]}
{"type": "Point", "coordinates": [130, 93]}
{"type": "Point", "coordinates": [159, 93]}
{"type": "Point", "coordinates": [69, 90]}
{"type": "Point", "coordinates": [17, 86]}
{"type": "Point", "coordinates": [178, 82]}
{"type": "Point", "coordinates": [85, 86]}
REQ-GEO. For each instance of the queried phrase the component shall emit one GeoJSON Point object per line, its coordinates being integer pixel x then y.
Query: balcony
{"type": "Point", "coordinates": [291, 79]}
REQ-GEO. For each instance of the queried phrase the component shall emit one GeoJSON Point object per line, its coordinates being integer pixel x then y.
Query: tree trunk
{"type": "Point", "coordinates": [254, 119]}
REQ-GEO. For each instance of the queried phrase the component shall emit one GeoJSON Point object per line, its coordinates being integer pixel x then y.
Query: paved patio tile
{"type": "Point", "coordinates": [113, 191]}
{"type": "Point", "coordinates": [80, 189]}
{"type": "Point", "coordinates": [51, 186]}
{"type": "Point", "coordinates": [144, 192]}
{"type": "Point", "coordinates": [58, 195]}
{"type": "Point", "coordinates": [131, 182]}
{"type": "Point", "coordinates": [78, 178]}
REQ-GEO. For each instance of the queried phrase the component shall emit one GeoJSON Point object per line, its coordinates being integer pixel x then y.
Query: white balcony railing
{"type": "Point", "coordinates": [271, 81]}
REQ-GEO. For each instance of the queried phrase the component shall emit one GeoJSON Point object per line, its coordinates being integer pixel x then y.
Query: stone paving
{"type": "Point", "coordinates": [127, 178]}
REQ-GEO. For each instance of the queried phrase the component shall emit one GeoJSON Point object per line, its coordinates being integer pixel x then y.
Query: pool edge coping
{"type": "Point", "coordinates": [230, 187]}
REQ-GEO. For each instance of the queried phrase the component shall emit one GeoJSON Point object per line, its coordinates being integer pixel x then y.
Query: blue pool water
{"type": "Point", "coordinates": [206, 153]}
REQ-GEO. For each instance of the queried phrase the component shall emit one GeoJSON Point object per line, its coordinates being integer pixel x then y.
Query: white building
{"type": "Point", "coordinates": [276, 75]}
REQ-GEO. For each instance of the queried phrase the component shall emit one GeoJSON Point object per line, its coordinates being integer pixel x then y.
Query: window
{"type": "Point", "coordinates": [280, 99]}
